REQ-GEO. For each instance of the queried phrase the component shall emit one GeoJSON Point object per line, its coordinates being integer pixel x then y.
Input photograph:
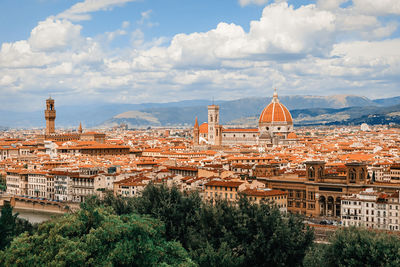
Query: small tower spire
{"type": "Point", "coordinates": [80, 127]}
{"type": "Point", "coordinates": [196, 132]}
{"type": "Point", "coordinates": [275, 96]}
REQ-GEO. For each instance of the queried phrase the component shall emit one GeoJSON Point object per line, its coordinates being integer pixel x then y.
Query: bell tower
{"type": "Point", "coordinates": [50, 116]}
{"type": "Point", "coordinates": [213, 125]}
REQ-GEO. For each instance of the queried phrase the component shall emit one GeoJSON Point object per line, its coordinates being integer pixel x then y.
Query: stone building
{"type": "Point", "coordinates": [319, 193]}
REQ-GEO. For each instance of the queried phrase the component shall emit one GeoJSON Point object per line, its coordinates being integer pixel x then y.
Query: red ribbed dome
{"type": "Point", "coordinates": [203, 128]}
{"type": "Point", "coordinates": [275, 112]}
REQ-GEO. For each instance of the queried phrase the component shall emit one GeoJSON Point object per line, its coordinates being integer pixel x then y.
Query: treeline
{"type": "Point", "coordinates": [165, 227]}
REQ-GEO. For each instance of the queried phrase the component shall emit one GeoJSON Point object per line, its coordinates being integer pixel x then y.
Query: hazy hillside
{"type": "Point", "coordinates": [385, 102]}
{"type": "Point", "coordinates": [89, 115]}
{"type": "Point", "coordinates": [184, 112]}
{"type": "Point", "coordinates": [238, 111]}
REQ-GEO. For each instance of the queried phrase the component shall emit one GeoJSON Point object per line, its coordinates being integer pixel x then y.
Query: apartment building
{"type": "Point", "coordinates": [17, 182]}
{"type": "Point", "coordinates": [267, 195]}
{"type": "Point", "coordinates": [371, 209]}
{"type": "Point", "coordinates": [37, 184]}
{"type": "Point", "coordinates": [223, 189]}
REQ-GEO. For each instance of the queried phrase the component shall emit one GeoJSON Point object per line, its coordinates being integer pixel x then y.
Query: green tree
{"type": "Point", "coordinates": [246, 234]}
{"type": "Point", "coordinates": [178, 212]}
{"type": "Point", "coordinates": [315, 255]}
{"type": "Point", "coordinates": [359, 247]}
{"type": "Point", "coordinates": [11, 225]}
{"type": "Point", "coordinates": [3, 183]}
{"type": "Point", "coordinates": [7, 225]}
{"type": "Point", "coordinates": [95, 236]}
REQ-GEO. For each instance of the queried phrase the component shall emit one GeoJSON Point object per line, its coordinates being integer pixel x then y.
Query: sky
{"type": "Point", "coordinates": [139, 51]}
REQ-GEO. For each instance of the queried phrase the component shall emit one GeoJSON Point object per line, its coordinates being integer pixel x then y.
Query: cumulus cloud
{"type": "Point", "coordinates": [381, 7]}
{"type": "Point", "coordinates": [316, 49]}
{"type": "Point", "coordinates": [281, 30]}
{"type": "Point", "coordinates": [81, 10]}
{"type": "Point", "coordinates": [53, 34]}
{"type": "Point", "coordinates": [20, 55]}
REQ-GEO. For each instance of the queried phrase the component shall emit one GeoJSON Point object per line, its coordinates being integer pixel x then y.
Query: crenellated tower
{"type": "Point", "coordinates": [50, 116]}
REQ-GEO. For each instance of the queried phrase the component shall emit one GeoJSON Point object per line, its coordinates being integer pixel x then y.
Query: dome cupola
{"type": "Point", "coordinates": [275, 112]}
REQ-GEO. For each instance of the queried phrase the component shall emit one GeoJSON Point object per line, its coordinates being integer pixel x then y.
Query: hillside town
{"type": "Point", "coordinates": [349, 175]}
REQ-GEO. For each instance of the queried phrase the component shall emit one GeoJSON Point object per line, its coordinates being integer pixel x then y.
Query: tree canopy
{"type": "Point", "coordinates": [95, 236]}
{"type": "Point", "coordinates": [228, 234]}
{"type": "Point", "coordinates": [11, 226]}
{"type": "Point", "coordinates": [356, 247]}
{"type": "Point", "coordinates": [165, 227]}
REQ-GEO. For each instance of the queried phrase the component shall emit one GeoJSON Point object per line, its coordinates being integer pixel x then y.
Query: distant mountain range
{"type": "Point", "coordinates": [306, 110]}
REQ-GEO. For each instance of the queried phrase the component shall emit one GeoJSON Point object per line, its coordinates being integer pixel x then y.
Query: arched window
{"type": "Point", "coordinates": [362, 175]}
{"type": "Point", "coordinates": [311, 172]}
{"type": "Point", "coordinates": [352, 175]}
{"type": "Point", "coordinates": [320, 172]}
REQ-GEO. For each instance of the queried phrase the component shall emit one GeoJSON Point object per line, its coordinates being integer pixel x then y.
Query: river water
{"type": "Point", "coordinates": [35, 216]}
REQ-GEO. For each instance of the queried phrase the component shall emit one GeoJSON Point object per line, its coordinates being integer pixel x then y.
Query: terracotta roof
{"type": "Point", "coordinates": [263, 193]}
{"type": "Point", "coordinates": [224, 183]}
{"type": "Point", "coordinates": [240, 130]}
{"type": "Point", "coordinates": [203, 128]}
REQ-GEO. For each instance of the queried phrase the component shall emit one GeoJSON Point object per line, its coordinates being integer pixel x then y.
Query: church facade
{"type": "Point", "coordinates": [275, 127]}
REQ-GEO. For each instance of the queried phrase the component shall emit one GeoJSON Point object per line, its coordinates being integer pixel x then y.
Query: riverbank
{"type": "Point", "coordinates": [35, 216]}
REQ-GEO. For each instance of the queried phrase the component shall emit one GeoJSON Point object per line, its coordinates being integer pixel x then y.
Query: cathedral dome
{"type": "Point", "coordinates": [203, 128]}
{"type": "Point", "coordinates": [275, 112]}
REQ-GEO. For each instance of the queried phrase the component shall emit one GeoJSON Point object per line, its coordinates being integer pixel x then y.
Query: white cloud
{"type": "Point", "coordinates": [377, 7]}
{"type": "Point", "coordinates": [294, 49]}
{"type": "Point", "coordinates": [253, 2]}
{"type": "Point", "coordinates": [20, 55]}
{"type": "Point", "coordinates": [281, 30]}
{"type": "Point", "coordinates": [145, 19]}
{"type": "Point", "coordinates": [125, 24]}
{"type": "Point", "coordinates": [53, 34]}
{"type": "Point", "coordinates": [137, 38]}
{"type": "Point", "coordinates": [7, 80]}
{"type": "Point", "coordinates": [81, 10]}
